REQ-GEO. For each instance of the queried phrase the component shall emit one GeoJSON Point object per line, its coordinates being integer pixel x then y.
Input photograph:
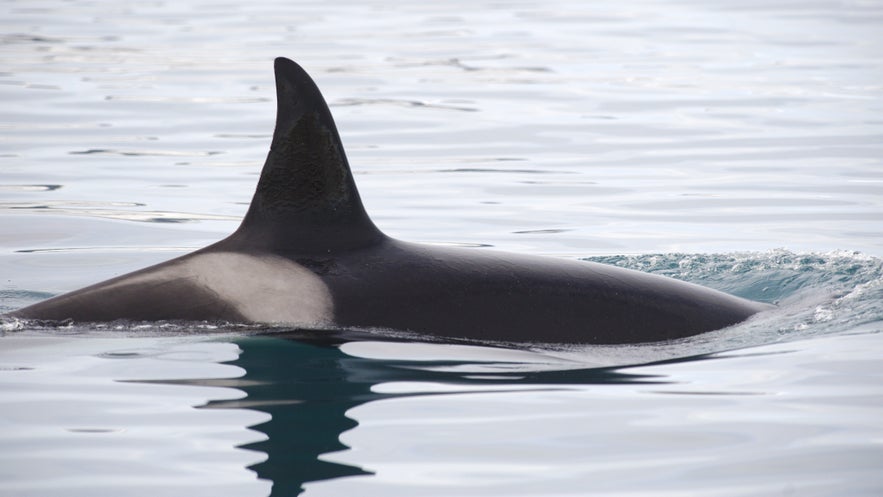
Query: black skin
{"type": "Point", "coordinates": [306, 209]}
{"type": "Point", "coordinates": [498, 296]}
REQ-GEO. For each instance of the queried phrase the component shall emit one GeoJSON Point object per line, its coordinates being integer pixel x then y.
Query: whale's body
{"type": "Point", "coordinates": [308, 256]}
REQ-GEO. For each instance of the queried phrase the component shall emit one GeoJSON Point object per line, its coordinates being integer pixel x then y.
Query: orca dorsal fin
{"type": "Point", "coordinates": [306, 199]}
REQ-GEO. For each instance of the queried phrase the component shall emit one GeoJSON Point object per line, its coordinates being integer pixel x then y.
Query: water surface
{"type": "Point", "coordinates": [733, 144]}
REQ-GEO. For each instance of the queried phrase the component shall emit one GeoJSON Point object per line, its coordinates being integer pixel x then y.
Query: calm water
{"type": "Point", "coordinates": [734, 144]}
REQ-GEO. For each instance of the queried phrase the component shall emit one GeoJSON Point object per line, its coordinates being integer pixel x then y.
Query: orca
{"type": "Point", "coordinates": [307, 256]}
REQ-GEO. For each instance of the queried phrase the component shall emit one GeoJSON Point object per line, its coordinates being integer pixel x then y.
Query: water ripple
{"type": "Point", "coordinates": [30, 188]}
{"type": "Point", "coordinates": [398, 102]}
{"type": "Point", "coordinates": [82, 209]}
{"type": "Point", "coordinates": [144, 153]}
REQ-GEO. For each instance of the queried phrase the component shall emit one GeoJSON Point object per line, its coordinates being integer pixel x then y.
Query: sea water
{"type": "Point", "coordinates": [737, 145]}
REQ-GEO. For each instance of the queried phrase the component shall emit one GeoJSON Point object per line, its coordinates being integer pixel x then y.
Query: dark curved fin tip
{"type": "Point", "coordinates": [306, 197]}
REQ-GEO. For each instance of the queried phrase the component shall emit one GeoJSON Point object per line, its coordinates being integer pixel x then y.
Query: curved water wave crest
{"type": "Point", "coordinates": [817, 293]}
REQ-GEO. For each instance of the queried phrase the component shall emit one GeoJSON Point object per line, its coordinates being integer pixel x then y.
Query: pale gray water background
{"type": "Point", "coordinates": [735, 144]}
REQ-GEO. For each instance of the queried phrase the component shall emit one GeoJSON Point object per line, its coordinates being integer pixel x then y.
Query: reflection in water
{"type": "Point", "coordinates": [306, 391]}
{"type": "Point", "coordinates": [308, 385]}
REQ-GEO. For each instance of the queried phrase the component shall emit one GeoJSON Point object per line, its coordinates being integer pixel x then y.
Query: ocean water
{"type": "Point", "coordinates": [738, 145]}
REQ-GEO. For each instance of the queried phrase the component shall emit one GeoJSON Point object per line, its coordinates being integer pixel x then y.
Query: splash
{"type": "Point", "coordinates": [817, 293]}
